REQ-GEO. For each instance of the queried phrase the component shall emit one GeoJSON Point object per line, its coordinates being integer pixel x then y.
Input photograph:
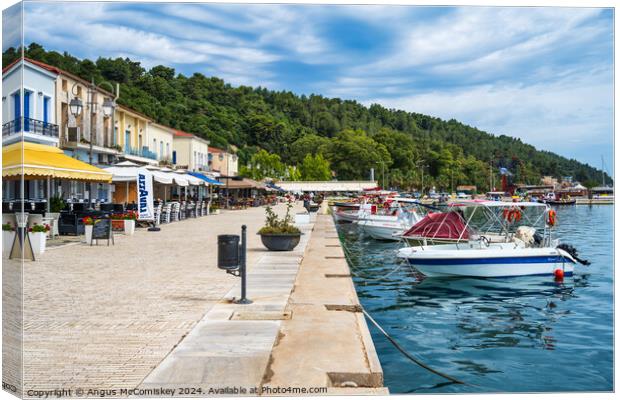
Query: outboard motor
{"type": "Point", "coordinates": [573, 253]}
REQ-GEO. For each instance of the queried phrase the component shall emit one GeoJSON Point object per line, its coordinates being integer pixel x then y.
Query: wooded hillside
{"type": "Point", "coordinates": [353, 138]}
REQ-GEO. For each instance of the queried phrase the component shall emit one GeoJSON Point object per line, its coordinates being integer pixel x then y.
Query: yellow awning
{"type": "Point", "coordinates": [40, 161]}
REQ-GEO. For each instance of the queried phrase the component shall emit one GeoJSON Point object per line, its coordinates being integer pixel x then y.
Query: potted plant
{"type": "Point", "coordinates": [279, 234]}
{"type": "Point", "coordinates": [8, 236]}
{"type": "Point", "coordinates": [38, 237]}
{"type": "Point", "coordinates": [57, 204]}
{"type": "Point", "coordinates": [88, 222]}
{"type": "Point", "coordinates": [214, 209]}
{"type": "Point", "coordinates": [130, 222]}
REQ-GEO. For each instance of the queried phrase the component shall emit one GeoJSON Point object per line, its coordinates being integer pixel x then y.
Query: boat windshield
{"type": "Point", "coordinates": [500, 217]}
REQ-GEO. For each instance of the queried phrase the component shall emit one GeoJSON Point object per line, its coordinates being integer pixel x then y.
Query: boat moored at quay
{"type": "Point", "coordinates": [497, 244]}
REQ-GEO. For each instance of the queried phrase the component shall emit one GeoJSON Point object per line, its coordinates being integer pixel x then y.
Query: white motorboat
{"type": "Point", "coordinates": [391, 227]}
{"type": "Point", "coordinates": [497, 260]}
{"type": "Point", "coordinates": [354, 212]}
{"type": "Point", "coordinates": [510, 251]}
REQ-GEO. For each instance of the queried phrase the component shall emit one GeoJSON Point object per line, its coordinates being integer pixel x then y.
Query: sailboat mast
{"type": "Point", "coordinates": [603, 169]}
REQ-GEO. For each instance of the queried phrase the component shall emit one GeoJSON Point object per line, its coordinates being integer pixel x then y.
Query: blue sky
{"type": "Point", "coordinates": [544, 75]}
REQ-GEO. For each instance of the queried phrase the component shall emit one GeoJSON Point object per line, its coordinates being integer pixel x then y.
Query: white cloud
{"type": "Point", "coordinates": [476, 38]}
{"type": "Point", "coordinates": [12, 26]}
{"type": "Point", "coordinates": [98, 30]}
{"type": "Point", "coordinates": [549, 115]}
{"type": "Point", "coordinates": [526, 72]}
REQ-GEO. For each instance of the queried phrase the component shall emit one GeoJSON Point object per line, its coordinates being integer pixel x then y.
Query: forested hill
{"type": "Point", "coordinates": [353, 138]}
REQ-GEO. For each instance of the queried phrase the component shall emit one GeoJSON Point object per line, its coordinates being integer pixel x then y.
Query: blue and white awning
{"type": "Point", "coordinates": [205, 178]}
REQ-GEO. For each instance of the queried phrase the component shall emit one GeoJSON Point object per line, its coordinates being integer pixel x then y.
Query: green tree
{"type": "Point", "coordinates": [315, 168]}
{"type": "Point", "coordinates": [264, 165]}
{"type": "Point", "coordinates": [353, 153]}
{"type": "Point", "coordinates": [308, 144]}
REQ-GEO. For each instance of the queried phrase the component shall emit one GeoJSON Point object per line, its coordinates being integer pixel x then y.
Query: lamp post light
{"type": "Point", "coordinates": [76, 106]}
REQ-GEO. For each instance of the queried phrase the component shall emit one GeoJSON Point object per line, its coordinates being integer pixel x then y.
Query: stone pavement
{"type": "Point", "coordinates": [230, 347]}
{"type": "Point", "coordinates": [104, 317]}
{"type": "Point", "coordinates": [326, 343]}
{"type": "Point", "coordinates": [303, 330]}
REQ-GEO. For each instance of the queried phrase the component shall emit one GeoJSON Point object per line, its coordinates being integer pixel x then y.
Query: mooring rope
{"type": "Point", "coordinates": [347, 253]}
{"type": "Point", "coordinates": [407, 354]}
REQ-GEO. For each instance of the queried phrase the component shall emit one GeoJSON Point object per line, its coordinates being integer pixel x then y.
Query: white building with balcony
{"type": "Point", "coordinates": [29, 109]}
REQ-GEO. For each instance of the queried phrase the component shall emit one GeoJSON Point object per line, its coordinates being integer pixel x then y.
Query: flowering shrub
{"type": "Point", "coordinates": [88, 221]}
{"type": "Point", "coordinates": [8, 227]}
{"type": "Point", "coordinates": [127, 215]}
{"type": "Point", "coordinates": [39, 228]}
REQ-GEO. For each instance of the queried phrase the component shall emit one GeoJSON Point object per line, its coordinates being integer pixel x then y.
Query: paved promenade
{"type": "Point", "coordinates": [104, 317]}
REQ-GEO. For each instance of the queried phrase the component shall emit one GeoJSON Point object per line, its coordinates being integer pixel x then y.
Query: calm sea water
{"type": "Point", "coordinates": [497, 335]}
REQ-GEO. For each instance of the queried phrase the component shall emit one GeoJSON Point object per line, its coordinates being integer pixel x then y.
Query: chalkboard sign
{"type": "Point", "coordinates": [102, 230]}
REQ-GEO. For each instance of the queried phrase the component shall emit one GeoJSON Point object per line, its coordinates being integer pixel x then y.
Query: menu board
{"type": "Point", "coordinates": [102, 229]}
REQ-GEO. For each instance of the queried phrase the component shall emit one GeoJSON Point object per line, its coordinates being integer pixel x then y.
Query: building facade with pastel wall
{"type": "Point", "coordinates": [161, 142]}
{"type": "Point", "coordinates": [223, 162]}
{"type": "Point", "coordinates": [132, 136]}
{"type": "Point", "coordinates": [190, 152]}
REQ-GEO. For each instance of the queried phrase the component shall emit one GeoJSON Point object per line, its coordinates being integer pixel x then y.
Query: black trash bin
{"type": "Point", "coordinates": [228, 252]}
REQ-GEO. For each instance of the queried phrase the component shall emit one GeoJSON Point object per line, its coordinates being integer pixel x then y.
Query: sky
{"type": "Point", "coordinates": [544, 75]}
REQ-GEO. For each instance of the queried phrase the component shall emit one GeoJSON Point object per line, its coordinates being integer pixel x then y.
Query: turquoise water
{"type": "Point", "coordinates": [526, 334]}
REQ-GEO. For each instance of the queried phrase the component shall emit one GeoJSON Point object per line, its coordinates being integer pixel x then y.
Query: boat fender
{"type": "Point", "coordinates": [512, 215]}
{"type": "Point", "coordinates": [572, 252]}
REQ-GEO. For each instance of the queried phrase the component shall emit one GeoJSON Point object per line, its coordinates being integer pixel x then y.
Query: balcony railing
{"type": "Point", "coordinates": [143, 152]}
{"type": "Point", "coordinates": [30, 126]}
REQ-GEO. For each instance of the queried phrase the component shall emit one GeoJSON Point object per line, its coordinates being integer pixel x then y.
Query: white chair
{"type": "Point", "coordinates": [174, 216]}
{"type": "Point", "coordinates": [165, 213]}
{"type": "Point", "coordinates": [182, 208]}
{"type": "Point", "coordinates": [157, 214]}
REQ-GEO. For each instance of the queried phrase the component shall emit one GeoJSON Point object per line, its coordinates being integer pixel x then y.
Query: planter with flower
{"type": "Point", "coordinates": [130, 218]}
{"type": "Point", "coordinates": [125, 221]}
{"type": "Point", "coordinates": [38, 237]}
{"type": "Point", "coordinates": [279, 234]}
{"type": "Point", "coordinates": [88, 222]}
{"type": "Point", "coordinates": [8, 236]}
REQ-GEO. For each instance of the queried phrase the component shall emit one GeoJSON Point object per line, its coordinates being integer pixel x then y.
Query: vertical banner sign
{"type": "Point", "coordinates": [144, 185]}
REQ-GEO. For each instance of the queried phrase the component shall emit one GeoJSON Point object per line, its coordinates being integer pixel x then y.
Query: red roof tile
{"type": "Point", "coordinates": [182, 134]}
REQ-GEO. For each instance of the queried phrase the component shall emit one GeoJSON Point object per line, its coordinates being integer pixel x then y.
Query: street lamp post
{"type": "Point", "coordinates": [76, 107]}
{"type": "Point", "coordinates": [382, 173]}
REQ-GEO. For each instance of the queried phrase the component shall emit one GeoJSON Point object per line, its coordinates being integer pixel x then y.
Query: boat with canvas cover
{"type": "Point", "coordinates": [514, 250]}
